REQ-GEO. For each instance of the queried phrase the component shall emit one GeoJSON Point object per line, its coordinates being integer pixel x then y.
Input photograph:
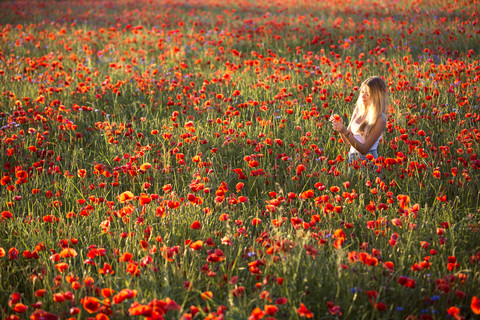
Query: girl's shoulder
{"type": "Point", "coordinates": [381, 122]}
{"type": "Point", "coordinates": [382, 118]}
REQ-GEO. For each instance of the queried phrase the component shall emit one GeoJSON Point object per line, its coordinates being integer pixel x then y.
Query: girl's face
{"type": "Point", "coordinates": [366, 96]}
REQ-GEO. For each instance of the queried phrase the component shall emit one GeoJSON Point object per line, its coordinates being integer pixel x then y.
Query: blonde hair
{"type": "Point", "coordinates": [379, 100]}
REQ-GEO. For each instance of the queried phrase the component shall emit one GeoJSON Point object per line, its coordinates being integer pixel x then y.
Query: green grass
{"type": "Point", "coordinates": [84, 88]}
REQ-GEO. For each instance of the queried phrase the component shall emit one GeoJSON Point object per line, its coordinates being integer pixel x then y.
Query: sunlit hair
{"type": "Point", "coordinates": [379, 100]}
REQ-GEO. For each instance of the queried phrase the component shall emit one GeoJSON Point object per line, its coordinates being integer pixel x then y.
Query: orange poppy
{"type": "Point", "coordinates": [207, 295]}
{"type": "Point", "coordinates": [125, 197]}
{"type": "Point", "coordinates": [68, 253]}
{"type": "Point", "coordinates": [61, 267]}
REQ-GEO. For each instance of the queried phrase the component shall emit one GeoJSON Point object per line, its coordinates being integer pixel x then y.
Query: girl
{"type": "Point", "coordinates": [368, 120]}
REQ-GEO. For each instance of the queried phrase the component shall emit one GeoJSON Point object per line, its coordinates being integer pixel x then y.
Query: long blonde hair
{"type": "Point", "coordinates": [379, 100]}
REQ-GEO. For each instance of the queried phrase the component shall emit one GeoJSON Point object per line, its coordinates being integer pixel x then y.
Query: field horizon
{"type": "Point", "coordinates": [174, 160]}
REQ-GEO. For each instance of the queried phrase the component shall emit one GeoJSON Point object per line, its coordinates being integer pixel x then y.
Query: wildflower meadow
{"type": "Point", "coordinates": [167, 159]}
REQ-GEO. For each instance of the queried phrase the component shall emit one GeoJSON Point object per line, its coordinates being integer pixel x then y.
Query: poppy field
{"type": "Point", "coordinates": [174, 160]}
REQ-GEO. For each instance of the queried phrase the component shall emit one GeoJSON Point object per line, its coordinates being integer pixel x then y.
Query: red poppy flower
{"type": "Point", "coordinates": [453, 312]}
{"type": "Point", "coordinates": [239, 186]}
{"type": "Point", "coordinates": [380, 306]}
{"type": "Point", "coordinates": [334, 189]}
{"type": "Point", "coordinates": [82, 173]}
{"type": "Point", "coordinates": [43, 315]}
{"type": "Point", "coordinates": [140, 310]}
{"type": "Point", "coordinates": [61, 267]}
{"type": "Point", "coordinates": [5, 180]}
{"type": "Point", "coordinates": [145, 166]}
{"type": "Point", "coordinates": [123, 295]}
{"type": "Point", "coordinates": [107, 269]}
{"type": "Point", "coordinates": [7, 215]}
{"type": "Point", "coordinates": [144, 200]}
{"type": "Point", "coordinates": [304, 311]}
{"type": "Point", "coordinates": [20, 308]}
{"type": "Point", "coordinates": [307, 194]}
{"type": "Point", "coordinates": [91, 304]}
{"type": "Point", "coordinates": [475, 305]}
{"type": "Point", "coordinates": [107, 292]}
{"type": "Point", "coordinates": [58, 297]}
{"type": "Point", "coordinates": [40, 293]}
{"type": "Point", "coordinates": [13, 254]}
{"type": "Point", "coordinates": [240, 173]}
{"type": "Point", "coordinates": [101, 316]}
{"type": "Point", "coordinates": [196, 225]}
{"type": "Point", "coordinates": [127, 256]}
{"type": "Point", "coordinates": [257, 314]}
{"type": "Point", "coordinates": [196, 245]}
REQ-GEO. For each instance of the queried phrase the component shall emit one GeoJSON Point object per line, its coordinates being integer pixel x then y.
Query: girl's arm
{"type": "Point", "coordinates": [375, 133]}
{"type": "Point", "coordinates": [343, 135]}
{"type": "Point", "coordinates": [336, 117]}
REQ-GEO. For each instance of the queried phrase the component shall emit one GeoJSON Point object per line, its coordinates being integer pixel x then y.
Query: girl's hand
{"type": "Point", "coordinates": [336, 117]}
{"type": "Point", "coordinates": [337, 123]}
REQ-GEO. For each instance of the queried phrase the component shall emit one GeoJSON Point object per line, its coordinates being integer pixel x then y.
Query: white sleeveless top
{"type": "Point", "coordinates": [354, 128]}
